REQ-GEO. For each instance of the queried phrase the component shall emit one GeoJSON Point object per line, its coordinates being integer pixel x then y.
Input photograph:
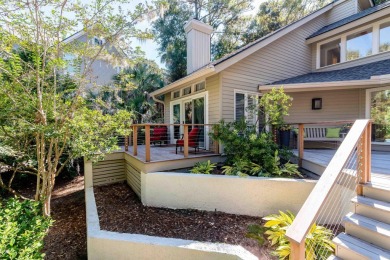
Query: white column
{"type": "Point", "coordinates": [375, 39]}
{"type": "Point", "coordinates": [343, 49]}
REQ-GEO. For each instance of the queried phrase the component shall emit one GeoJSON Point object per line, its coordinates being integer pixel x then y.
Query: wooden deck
{"type": "Point", "coordinates": [167, 153]}
{"type": "Point", "coordinates": [380, 166]}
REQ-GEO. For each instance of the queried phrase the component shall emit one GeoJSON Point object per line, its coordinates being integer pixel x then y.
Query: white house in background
{"type": "Point", "coordinates": [337, 57]}
{"type": "Point", "coordinates": [101, 71]}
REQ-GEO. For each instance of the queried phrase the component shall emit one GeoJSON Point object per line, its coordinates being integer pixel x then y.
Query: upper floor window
{"type": "Point", "coordinates": [200, 86]}
{"type": "Point", "coordinates": [187, 90]}
{"type": "Point", "coordinates": [384, 34]}
{"type": "Point", "coordinates": [330, 53]}
{"type": "Point", "coordinates": [359, 45]}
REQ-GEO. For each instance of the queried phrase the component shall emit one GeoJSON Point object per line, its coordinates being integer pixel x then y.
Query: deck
{"type": "Point", "coordinates": [316, 160]}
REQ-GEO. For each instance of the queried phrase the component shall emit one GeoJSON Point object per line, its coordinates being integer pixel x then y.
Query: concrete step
{"type": "Point", "coordinates": [333, 257]}
{"type": "Point", "coordinates": [352, 248]}
{"type": "Point", "coordinates": [369, 230]}
{"type": "Point", "coordinates": [377, 191]}
{"type": "Point", "coordinates": [372, 208]}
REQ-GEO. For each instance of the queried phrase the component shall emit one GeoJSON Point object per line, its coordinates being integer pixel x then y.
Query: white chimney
{"type": "Point", "coordinates": [198, 44]}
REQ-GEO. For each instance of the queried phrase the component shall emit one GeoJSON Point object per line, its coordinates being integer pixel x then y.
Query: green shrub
{"type": "Point", "coordinates": [22, 229]}
{"type": "Point", "coordinates": [242, 168]}
{"type": "Point", "coordinates": [318, 241]}
{"type": "Point", "coordinates": [203, 167]}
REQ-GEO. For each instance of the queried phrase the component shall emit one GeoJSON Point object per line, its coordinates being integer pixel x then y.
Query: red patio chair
{"type": "Point", "coordinates": [159, 135]}
{"type": "Point", "coordinates": [193, 139]}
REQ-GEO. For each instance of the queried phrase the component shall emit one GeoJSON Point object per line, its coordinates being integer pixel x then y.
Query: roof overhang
{"type": "Point", "coordinates": [345, 27]}
{"type": "Point", "coordinates": [374, 81]}
{"type": "Point", "coordinates": [205, 72]}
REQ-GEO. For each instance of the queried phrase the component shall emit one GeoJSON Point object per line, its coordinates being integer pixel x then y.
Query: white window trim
{"type": "Point", "coordinates": [181, 102]}
{"type": "Point", "coordinates": [193, 92]}
{"type": "Point", "coordinates": [246, 93]}
{"type": "Point", "coordinates": [343, 45]}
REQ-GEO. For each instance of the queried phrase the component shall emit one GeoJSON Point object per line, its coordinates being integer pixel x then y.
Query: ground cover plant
{"type": "Point", "coordinates": [318, 241]}
{"type": "Point", "coordinates": [22, 228]}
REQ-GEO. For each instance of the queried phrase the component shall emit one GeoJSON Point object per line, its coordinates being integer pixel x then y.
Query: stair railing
{"type": "Point", "coordinates": [329, 201]}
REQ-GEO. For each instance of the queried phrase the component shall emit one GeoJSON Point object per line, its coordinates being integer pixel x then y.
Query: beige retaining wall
{"type": "Point", "coordinates": [253, 196]}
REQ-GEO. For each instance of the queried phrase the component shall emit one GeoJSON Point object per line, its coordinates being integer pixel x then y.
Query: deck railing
{"type": "Point", "coordinates": [315, 135]}
{"type": "Point", "coordinates": [329, 201]}
{"type": "Point", "coordinates": [186, 138]}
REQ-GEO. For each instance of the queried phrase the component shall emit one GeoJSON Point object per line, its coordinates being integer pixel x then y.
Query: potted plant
{"type": "Point", "coordinates": [284, 135]}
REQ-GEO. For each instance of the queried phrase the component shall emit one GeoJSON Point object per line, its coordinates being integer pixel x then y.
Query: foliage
{"type": "Point", "coordinates": [251, 153]}
{"type": "Point", "coordinates": [275, 104]}
{"type": "Point", "coordinates": [256, 232]}
{"type": "Point", "coordinates": [22, 229]}
{"type": "Point", "coordinates": [44, 117]}
{"type": "Point", "coordinates": [318, 241]}
{"type": "Point", "coordinates": [275, 14]}
{"type": "Point", "coordinates": [203, 167]}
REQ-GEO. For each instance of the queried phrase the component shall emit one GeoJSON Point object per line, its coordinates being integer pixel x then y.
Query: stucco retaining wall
{"type": "Point", "coordinates": [253, 196]}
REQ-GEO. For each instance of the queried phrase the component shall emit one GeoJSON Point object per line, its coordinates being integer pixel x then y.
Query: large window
{"type": "Point", "coordinates": [330, 53]}
{"type": "Point", "coordinates": [359, 45]}
{"type": "Point", "coordinates": [384, 34]}
{"type": "Point", "coordinates": [379, 107]}
{"type": "Point", "coordinates": [355, 44]}
{"type": "Point", "coordinates": [245, 105]}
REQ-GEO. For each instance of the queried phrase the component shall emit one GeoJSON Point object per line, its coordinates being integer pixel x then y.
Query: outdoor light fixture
{"type": "Point", "coordinates": [316, 103]}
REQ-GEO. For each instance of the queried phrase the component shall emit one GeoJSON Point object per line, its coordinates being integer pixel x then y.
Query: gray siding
{"type": "Point", "coordinates": [336, 105]}
{"type": "Point", "coordinates": [341, 11]}
{"type": "Point", "coordinates": [287, 57]}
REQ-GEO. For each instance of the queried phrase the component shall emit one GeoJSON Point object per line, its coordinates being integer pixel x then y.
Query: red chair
{"type": "Point", "coordinates": [193, 139]}
{"type": "Point", "coordinates": [159, 135]}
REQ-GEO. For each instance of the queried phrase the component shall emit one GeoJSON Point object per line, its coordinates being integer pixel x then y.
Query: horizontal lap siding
{"type": "Point", "coordinates": [212, 86]}
{"type": "Point", "coordinates": [342, 11]}
{"type": "Point", "coordinates": [133, 177]}
{"type": "Point", "coordinates": [287, 57]}
{"type": "Point", "coordinates": [336, 105]}
{"type": "Point", "coordinates": [107, 172]}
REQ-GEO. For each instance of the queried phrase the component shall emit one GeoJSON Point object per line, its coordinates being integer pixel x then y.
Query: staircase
{"type": "Point", "coordinates": [367, 230]}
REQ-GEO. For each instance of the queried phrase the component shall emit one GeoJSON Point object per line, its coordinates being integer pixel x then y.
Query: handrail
{"type": "Point", "coordinates": [147, 140]}
{"type": "Point", "coordinates": [336, 122]}
{"type": "Point", "coordinates": [297, 232]}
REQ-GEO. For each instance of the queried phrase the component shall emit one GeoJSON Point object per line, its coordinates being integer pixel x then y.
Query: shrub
{"type": "Point", "coordinates": [243, 146]}
{"type": "Point", "coordinates": [318, 241]}
{"type": "Point", "coordinates": [22, 229]}
{"type": "Point", "coordinates": [203, 167]}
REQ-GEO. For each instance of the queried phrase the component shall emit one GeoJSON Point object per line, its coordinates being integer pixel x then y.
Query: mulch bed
{"type": "Point", "coordinates": [67, 238]}
{"type": "Point", "coordinates": [120, 210]}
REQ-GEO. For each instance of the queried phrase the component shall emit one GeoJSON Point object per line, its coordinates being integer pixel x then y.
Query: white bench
{"type": "Point", "coordinates": [318, 133]}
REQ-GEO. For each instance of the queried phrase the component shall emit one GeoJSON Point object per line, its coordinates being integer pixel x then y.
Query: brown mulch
{"type": "Point", "coordinates": [120, 210]}
{"type": "Point", "coordinates": [67, 238]}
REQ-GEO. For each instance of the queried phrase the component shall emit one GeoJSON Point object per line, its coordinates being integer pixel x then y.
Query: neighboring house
{"type": "Point", "coordinates": [339, 54]}
{"type": "Point", "coordinates": [101, 72]}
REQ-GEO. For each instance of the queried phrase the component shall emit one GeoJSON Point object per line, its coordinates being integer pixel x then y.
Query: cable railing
{"type": "Point", "coordinates": [320, 218]}
{"type": "Point", "coordinates": [150, 140]}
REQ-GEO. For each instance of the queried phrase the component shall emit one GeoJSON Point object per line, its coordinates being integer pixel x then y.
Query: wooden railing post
{"type": "Point", "coordinates": [297, 250]}
{"type": "Point", "coordinates": [185, 140]}
{"type": "Point", "coordinates": [301, 141]}
{"type": "Point", "coordinates": [364, 160]}
{"type": "Point", "coordinates": [135, 133]}
{"type": "Point", "coordinates": [126, 143]}
{"type": "Point", "coordinates": [147, 143]}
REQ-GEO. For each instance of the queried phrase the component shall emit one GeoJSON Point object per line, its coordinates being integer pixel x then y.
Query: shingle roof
{"type": "Point", "coordinates": [361, 72]}
{"type": "Point", "coordinates": [350, 19]}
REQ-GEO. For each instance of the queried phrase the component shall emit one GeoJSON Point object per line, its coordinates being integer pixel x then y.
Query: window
{"type": "Point", "coordinates": [330, 53]}
{"type": "Point", "coordinates": [379, 109]}
{"type": "Point", "coordinates": [176, 94]}
{"type": "Point", "coordinates": [245, 107]}
{"type": "Point", "coordinates": [384, 34]}
{"type": "Point", "coordinates": [200, 86]}
{"type": "Point", "coordinates": [359, 45]}
{"type": "Point", "coordinates": [187, 91]}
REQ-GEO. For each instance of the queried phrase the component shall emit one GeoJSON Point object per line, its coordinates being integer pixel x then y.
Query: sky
{"type": "Point", "coordinates": [150, 46]}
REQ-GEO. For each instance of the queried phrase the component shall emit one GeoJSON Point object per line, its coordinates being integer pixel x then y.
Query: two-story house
{"type": "Point", "coordinates": [334, 62]}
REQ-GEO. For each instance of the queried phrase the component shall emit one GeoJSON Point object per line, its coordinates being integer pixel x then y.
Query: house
{"type": "Point", "coordinates": [334, 63]}
{"type": "Point", "coordinates": [101, 71]}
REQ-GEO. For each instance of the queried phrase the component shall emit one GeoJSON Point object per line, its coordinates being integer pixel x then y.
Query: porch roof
{"type": "Point", "coordinates": [361, 72]}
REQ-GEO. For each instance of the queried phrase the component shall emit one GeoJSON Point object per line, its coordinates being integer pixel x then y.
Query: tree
{"type": "Point", "coordinates": [275, 14]}
{"type": "Point", "coordinates": [45, 121]}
